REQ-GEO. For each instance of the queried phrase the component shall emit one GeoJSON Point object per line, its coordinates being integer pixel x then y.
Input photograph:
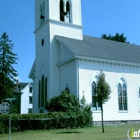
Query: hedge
{"type": "Point", "coordinates": [53, 120]}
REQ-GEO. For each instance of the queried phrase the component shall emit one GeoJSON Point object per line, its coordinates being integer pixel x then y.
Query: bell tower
{"type": "Point", "coordinates": [62, 16]}
{"type": "Point", "coordinates": [52, 17]}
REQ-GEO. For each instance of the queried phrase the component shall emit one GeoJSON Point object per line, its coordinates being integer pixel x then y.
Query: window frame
{"type": "Point", "coordinates": [30, 89]}
{"type": "Point", "coordinates": [42, 91]}
{"type": "Point", "coordinates": [65, 11]}
{"type": "Point", "coordinates": [30, 99]}
{"type": "Point", "coordinates": [122, 95]}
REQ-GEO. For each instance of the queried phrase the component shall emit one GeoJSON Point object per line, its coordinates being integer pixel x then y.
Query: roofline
{"type": "Point", "coordinates": [115, 62]}
{"type": "Point", "coordinates": [32, 71]}
{"type": "Point", "coordinates": [25, 86]}
{"type": "Point", "coordinates": [108, 61]}
{"type": "Point", "coordinates": [66, 61]}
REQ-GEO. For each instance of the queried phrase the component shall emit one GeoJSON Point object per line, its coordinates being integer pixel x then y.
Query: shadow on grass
{"type": "Point", "coordinates": [68, 132]}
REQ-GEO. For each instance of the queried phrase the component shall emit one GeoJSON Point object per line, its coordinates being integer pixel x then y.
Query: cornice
{"type": "Point", "coordinates": [104, 62]}
{"type": "Point", "coordinates": [107, 62]}
{"type": "Point", "coordinates": [71, 25]}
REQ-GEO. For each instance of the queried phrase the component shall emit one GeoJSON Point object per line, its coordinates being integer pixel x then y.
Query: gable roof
{"type": "Point", "coordinates": [102, 49]}
{"type": "Point", "coordinates": [22, 85]}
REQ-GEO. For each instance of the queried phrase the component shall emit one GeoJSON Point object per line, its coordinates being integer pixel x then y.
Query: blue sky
{"type": "Point", "coordinates": [98, 17]}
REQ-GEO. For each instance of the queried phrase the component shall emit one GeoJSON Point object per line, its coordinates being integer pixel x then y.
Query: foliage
{"type": "Point", "coordinates": [52, 120]}
{"type": "Point", "coordinates": [7, 72]}
{"type": "Point", "coordinates": [65, 102]}
{"type": "Point", "coordinates": [118, 37]}
{"type": "Point", "coordinates": [103, 91]}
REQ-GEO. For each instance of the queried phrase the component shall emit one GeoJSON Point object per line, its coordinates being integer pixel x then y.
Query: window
{"type": "Point", "coordinates": [139, 98]}
{"type": "Point", "coordinates": [42, 92]}
{"type": "Point", "coordinates": [42, 12]}
{"type": "Point", "coordinates": [30, 89]}
{"type": "Point", "coordinates": [122, 95]}
{"type": "Point", "coordinates": [46, 89]}
{"type": "Point", "coordinates": [39, 94]}
{"type": "Point", "coordinates": [64, 11]}
{"type": "Point", "coordinates": [30, 110]}
{"type": "Point", "coordinates": [67, 12]}
{"type": "Point", "coordinates": [67, 89]}
{"type": "Point", "coordinates": [30, 99]}
{"type": "Point", "coordinates": [95, 104]}
{"type": "Point", "coordinates": [61, 10]}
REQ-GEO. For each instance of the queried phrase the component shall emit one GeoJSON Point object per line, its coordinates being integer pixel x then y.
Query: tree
{"type": "Point", "coordinates": [65, 102]}
{"type": "Point", "coordinates": [7, 72]}
{"type": "Point", "coordinates": [118, 37]}
{"type": "Point", "coordinates": [102, 93]}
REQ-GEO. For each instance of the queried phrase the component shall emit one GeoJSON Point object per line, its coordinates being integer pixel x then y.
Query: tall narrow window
{"type": "Point", "coordinates": [95, 104]}
{"type": "Point", "coordinates": [139, 98]}
{"type": "Point", "coordinates": [30, 89]}
{"type": "Point", "coordinates": [42, 12]}
{"type": "Point", "coordinates": [39, 94]}
{"type": "Point", "coordinates": [46, 88]}
{"type": "Point", "coordinates": [61, 10]}
{"type": "Point", "coordinates": [42, 91]}
{"type": "Point", "coordinates": [67, 12]}
{"type": "Point", "coordinates": [122, 95]}
{"type": "Point", "coordinates": [30, 99]}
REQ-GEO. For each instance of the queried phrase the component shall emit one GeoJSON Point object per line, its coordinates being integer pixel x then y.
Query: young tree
{"type": "Point", "coordinates": [103, 91]}
{"type": "Point", "coordinates": [118, 37]}
{"type": "Point", "coordinates": [7, 72]}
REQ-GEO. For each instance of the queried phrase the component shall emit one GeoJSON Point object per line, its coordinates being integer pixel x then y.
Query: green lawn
{"type": "Point", "coordinates": [112, 132]}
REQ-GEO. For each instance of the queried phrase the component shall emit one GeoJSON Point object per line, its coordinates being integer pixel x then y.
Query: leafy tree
{"type": "Point", "coordinates": [103, 91]}
{"type": "Point", "coordinates": [118, 37]}
{"type": "Point", "coordinates": [7, 72]}
{"type": "Point", "coordinates": [65, 102]}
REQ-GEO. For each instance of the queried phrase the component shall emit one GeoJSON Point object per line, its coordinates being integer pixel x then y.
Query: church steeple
{"type": "Point", "coordinates": [64, 14]}
{"type": "Point", "coordinates": [53, 18]}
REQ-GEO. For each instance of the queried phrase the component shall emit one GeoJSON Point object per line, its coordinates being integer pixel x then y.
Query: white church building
{"type": "Point", "coordinates": [65, 58]}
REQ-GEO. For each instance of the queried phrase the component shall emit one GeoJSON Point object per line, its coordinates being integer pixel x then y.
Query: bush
{"type": "Point", "coordinates": [65, 112]}
{"type": "Point", "coordinates": [69, 103]}
{"type": "Point", "coordinates": [52, 120]}
{"type": "Point", "coordinates": [66, 102]}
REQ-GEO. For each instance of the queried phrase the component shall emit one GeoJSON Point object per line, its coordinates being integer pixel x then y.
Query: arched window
{"type": "Point", "coordinates": [139, 98]}
{"type": "Point", "coordinates": [122, 95]}
{"type": "Point", "coordinates": [67, 12]}
{"type": "Point", "coordinates": [46, 89]}
{"type": "Point", "coordinates": [39, 94]}
{"type": "Point", "coordinates": [67, 89]}
{"type": "Point", "coordinates": [95, 104]}
{"type": "Point", "coordinates": [61, 10]}
{"type": "Point", "coordinates": [64, 11]}
{"type": "Point", "coordinates": [42, 91]}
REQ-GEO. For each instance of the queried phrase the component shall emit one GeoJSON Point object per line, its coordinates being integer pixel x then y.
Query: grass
{"type": "Point", "coordinates": [112, 132]}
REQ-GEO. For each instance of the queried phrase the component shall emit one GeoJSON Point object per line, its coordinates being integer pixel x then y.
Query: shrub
{"type": "Point", "coordinates": [66, 102]}
{"type": "Point", "coordinates": [52, 120]}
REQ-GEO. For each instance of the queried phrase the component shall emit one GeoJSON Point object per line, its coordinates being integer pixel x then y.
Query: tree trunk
{"type": "Point", "coordinates": [102, 117]}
